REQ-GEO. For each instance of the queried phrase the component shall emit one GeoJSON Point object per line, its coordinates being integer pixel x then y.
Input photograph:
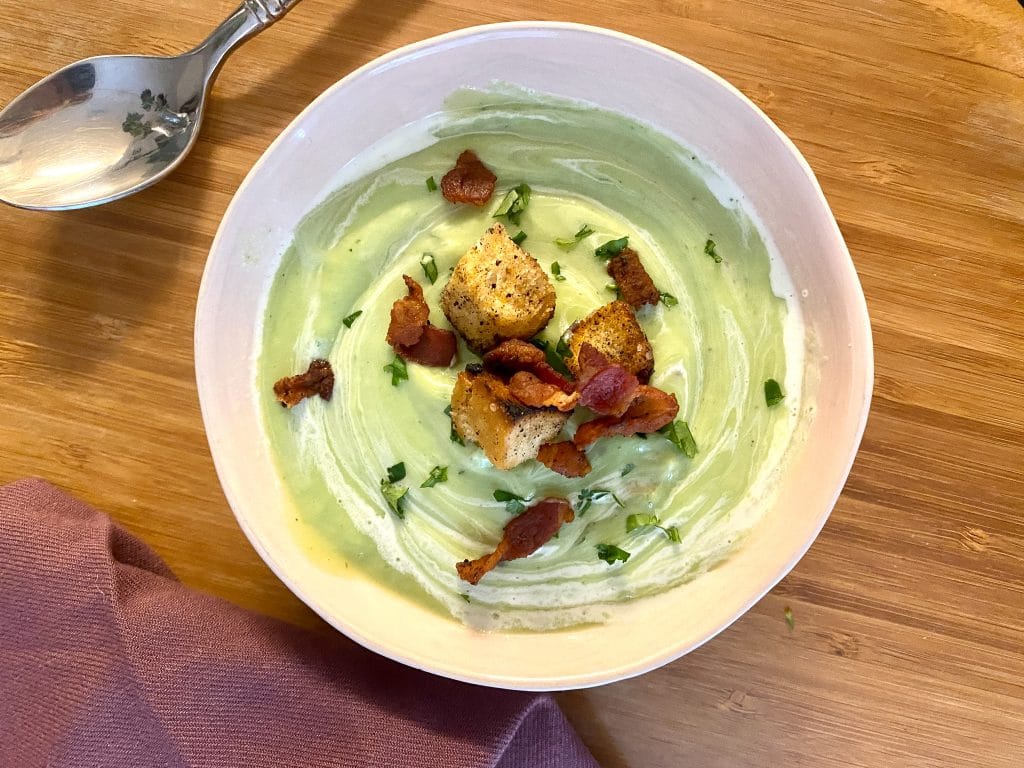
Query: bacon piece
{"type": "Point", "coordinates": [411, 334]}
{"type": "Point", "coordinates": [531, 391]}
{"type": "Point", "coordinates": [317, 380]}
{"type": "Point", "coordinates": [604, 387]}
{"type": "Point", "coordinates": [523, 535]}
{"type": "Point", "coordinates": [436, 348]}
{"type": "Point", "coordinates": [651, 410]}
{"type": "Point", "coordinates": [409, 316]}
{"type": "Point", "coordinates": [635, 286]}
{"type": "Point", "coordinates": [470, 181]}
{"type": "Point", "coordinates": [516, 355]}
{"type": "Point", "coordinates": [564, 458]}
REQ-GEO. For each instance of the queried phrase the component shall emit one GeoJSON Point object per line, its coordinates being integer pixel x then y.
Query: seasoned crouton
{"type": "Point", "coordinates": [484, 412]}
{"type": "Point", "coordinates": [498, 291]}
{"type": "Point", "coordinates": [615, 333]}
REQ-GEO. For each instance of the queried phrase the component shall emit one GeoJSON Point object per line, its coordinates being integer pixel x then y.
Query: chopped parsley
{"type": "Point", "coordinates": [437, 475]}
{"type": "Point", "coordinates": [614, 288]}
{"type": "Point", "coordinates": [134, 125]}
{"type": "Point", "coordinates": [429, 267]}
{"type": "Point", "coordinates": [347, 322]}
{"type": "Point", "coordinates": [709, 249]}
{"type": "Point", "coordinates": [568, 243]}
{"type": "Point", "coordinates": [556, 271]}
{"type": "Point", "coordinates": [679, 434]}
{"type": "Point", "coordinates": [588, 496]}
{"type": "Point", "coordinates": [643, 520]}
{"type": "Point", "coordinates": [668, 299]}
{"type": "Point", "coordinates": [464, 596]}
{"type": "Point", "coordinates": [514, 204]}
{"type": "Point", "coordinates": [453, 433]}
{"type": "Point", "coordinates": [513, 503]}
{"type": "Point", "coordinates": [555, 356]}
{"type": "Point", "coordinates": [394, 495]}
{"type": "Point", "coordinates": [773, 393]}
{"type": "Point", "coordinates": [611, 248]}
{"type": "Point", "coordinates": [610, 553]}
{"type": "Point", "coordinates": [431, 184]}
{"type": "Point", "coordinates": [788, 615]}
{"type": "Point", "coordinates": [520, 238]}
{"type": "Point", "coordinates": [627, 469]}
{"type": "Point", "coordinates": [397, 370]}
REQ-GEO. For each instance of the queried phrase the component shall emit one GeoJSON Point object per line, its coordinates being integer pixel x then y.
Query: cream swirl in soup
{"type": "Point", "coordinates": [726, 327]}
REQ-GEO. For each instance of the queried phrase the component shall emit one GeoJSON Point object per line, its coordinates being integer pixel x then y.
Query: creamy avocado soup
{"type": "Point", "coordinates": [724, 328]}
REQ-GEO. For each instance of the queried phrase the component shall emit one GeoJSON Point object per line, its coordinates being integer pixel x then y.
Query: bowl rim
{"type": "Point", "coordinates": [857, 307]}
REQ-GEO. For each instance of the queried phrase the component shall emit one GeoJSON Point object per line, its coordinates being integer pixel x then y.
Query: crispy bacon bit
{"type": "Point", "coordinates": [635, 285]}
{"type": "Point", "coordinates": [516, 355]}
{"type": "Point", "coordinates": [604, 387]}
{"type": "Point", "coordinates": [530, 390]}
{"type": "Point", "coordinates": [651, 410]}
{"type": "Point", "coordinates": [523, 535]}
{"type": "Point", "coordinates": [436, 348]}
{"type": "Point", "coordinates": [564, 458]}
{"type": "Point", "coordinates": [412, 335]}
{"type": "Point", "coordinates": [317, 380]}
{"type": "Point", "coordinates": [409, 316]}
{"type": "Point", "coordinates": [470, 181]}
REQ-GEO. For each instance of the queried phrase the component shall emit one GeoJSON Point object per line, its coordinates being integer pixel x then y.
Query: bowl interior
{"type": "Point", "coordinates": [615, 72]}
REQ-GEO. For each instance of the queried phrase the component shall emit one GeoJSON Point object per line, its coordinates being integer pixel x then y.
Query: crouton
{"type": "Point", "coordinates": [614, 331]}
{"type": "Point", "coordinates": [498, 291]}
{"type": "Point", "coordinates": [484, 412]}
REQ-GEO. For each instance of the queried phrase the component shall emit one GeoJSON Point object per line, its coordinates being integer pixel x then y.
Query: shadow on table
{"type": "Point", "coordinates": [123, 277]}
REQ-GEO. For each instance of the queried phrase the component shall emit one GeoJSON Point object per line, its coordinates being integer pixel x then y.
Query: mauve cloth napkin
{"type": "Point", "coordinates": [107, 660]}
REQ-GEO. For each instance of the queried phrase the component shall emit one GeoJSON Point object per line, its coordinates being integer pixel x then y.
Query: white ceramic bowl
{"type": "Point", "coordinates": [616, 72]}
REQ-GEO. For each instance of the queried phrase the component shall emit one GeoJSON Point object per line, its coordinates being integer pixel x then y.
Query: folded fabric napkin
{"type": "Point", "coordinates": [107, 660]}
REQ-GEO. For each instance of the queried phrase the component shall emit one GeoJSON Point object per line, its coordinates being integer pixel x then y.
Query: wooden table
{"type": "Point", "coordinates": [908, 646]}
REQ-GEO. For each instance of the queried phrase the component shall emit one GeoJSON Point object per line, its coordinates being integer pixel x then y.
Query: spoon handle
{"type": "Point", "coordinates": [250, 17]}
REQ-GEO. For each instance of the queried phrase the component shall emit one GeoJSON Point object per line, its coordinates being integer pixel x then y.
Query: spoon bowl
{"type": "Point", "coordinates": [106, 127]}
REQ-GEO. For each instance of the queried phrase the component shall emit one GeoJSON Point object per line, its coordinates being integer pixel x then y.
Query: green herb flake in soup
{"type": "Point", "coordinates": [718, 334]}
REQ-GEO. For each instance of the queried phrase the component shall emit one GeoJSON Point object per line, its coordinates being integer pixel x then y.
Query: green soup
{"type": "Point", "coordinates": [734, 326]}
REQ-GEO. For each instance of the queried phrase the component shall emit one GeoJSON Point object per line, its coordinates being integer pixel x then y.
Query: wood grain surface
{"type": "Point", "coordinates": [908, 645]}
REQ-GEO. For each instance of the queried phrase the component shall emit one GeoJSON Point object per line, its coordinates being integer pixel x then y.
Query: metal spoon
{"type": "Point", "coordinates": [106, 127]}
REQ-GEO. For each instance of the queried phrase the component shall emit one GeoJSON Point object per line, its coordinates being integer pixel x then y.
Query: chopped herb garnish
{"type": "Point", "coordinates": [453, 433]}
{"type": "Point", "coordinates": [347, 322]}
{"type": "Point", "coordinates": [790, 621]}
{"type": "Point", "coordinates": [639, 521]}
{"type": "Point", "coordinates": [611, 248]}
{"type": "Point", "coordinates": [520, 238]}
{"type": "Point", "coordinates": [555, 360]}
{"type": "Point", "coordinates": [568, 243]}
{"type": "Point", "coordinates": [668, 299]}
{"type": "Point", "coordinates": [556, 271]}
{"type": "Point", "coordinates": [610, 553]}
{"type": "Point", "coordinates": [437, 475]}
{"type": "Point", "coordinates": [678, 432]}
{"type": "Point", "coordinates": [642, 520]}
{"type": "Point", "coordinates": [627, 469]}
{"type": "Point", "coordinates": [429, 267]}
{"type": "Point", "coordinates": [134, 125]}
{"type": "Point", "coordinates": [709, 249]}
{"type": "Point", "coordinates": [773, 393]}
{"type": "Point", "coordinates": [464, 596]}
{"type": "Point", "coordinates": [394, 495]}
{"type": "Point", "coordinates": [513, 503]}
{"type": "Point", "coordinates": [614, 288]}
{"type": "Point", "coordinates": [514, 204]}
{"type": "Point", "coordinates": [588, 496]}
{"type": "Point", "coordinates": [397, 370]}
{"type": "Point", "coordinates": [431, 184]}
